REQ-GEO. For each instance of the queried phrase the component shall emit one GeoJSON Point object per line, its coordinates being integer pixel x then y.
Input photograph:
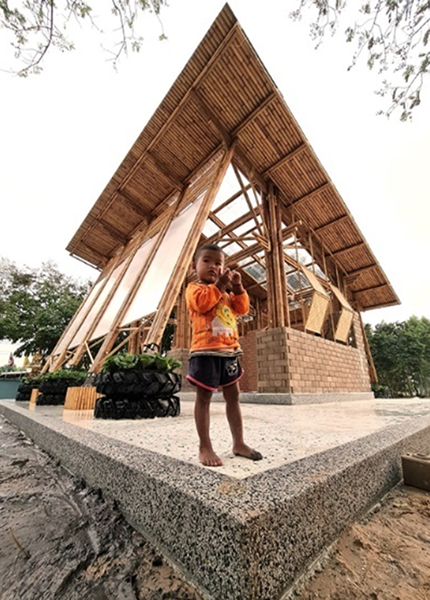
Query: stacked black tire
{"type": "Point", "coordinates": [53, 392]}
{"type": "Point", "coordinates": [137, 395]}
{"type": "Point", "coordinates": [24, 390]}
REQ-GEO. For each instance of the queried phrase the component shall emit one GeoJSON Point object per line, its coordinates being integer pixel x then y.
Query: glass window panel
{"type": "Point", "coordinates": [319, 272]}
{"type": "Point", "coordinates": [159, 273]}
{"type": "Point", "coordinates": [210, 228]}
{"type": "Point", "coordinates": [256, 271]}
{"type": "Point", "coordinates": [233, 211]}
{"type": "Point", "coordinates": [304, 257]}
{"type": "Point", "coordinates": [245, 261]}
{"type": "Point", "coordinates": [297, 281]}
{"type": "Point", "coordinates": [244, 228]}
{"type": "Point", "coordinates": [232, 249]}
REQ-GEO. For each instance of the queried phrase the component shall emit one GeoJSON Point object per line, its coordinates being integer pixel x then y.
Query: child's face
{"type": "Point", "coordinates": [209, 265]}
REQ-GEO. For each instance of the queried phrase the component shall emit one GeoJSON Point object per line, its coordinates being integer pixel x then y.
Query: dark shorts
{"type": "Point", "coordinates": [213, 372]}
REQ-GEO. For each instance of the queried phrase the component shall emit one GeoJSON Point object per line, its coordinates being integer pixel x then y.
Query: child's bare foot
{"type": "Point", "coordinates": [247, 452]}
{"type": "Point", "coordinates": [208, 458]}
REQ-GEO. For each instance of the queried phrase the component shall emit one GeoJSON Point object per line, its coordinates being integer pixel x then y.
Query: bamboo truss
{"type": "Point", "coordinates": [283, 224]}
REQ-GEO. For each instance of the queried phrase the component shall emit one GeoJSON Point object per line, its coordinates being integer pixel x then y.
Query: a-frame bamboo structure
{"type": "Point", "coordinates": [222, 160]}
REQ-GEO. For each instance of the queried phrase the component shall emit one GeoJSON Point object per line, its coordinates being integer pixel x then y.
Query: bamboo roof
{"type": "Point", "coordinates": [224, 93]}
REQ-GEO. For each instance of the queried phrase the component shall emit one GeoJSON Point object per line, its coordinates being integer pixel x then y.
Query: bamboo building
{"type": "Point", "coordinates": [223, 160]}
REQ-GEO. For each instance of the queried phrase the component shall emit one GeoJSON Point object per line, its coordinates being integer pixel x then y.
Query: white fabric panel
{"type": "Point", "coordinates": [159, 273]}
{"type": "Point", "coordinates": [85, 326]}
{"type": "Point", "coordinates": [71, 331]}
{"type": "Point", "coordinates": [123, 289]}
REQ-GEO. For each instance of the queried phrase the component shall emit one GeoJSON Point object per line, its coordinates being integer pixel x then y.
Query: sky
{"type": "Point", "coordinates": [65, 132]}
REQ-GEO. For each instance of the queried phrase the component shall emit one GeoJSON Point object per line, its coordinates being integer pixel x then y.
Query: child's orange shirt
{"type": "Point", "coordinates": [213, 317]}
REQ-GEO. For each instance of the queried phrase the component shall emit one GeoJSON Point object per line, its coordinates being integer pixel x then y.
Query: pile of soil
{"type": "Point", "coordinates": [61, 540]}
{"type": "Point", "coordinates": [384, 556]}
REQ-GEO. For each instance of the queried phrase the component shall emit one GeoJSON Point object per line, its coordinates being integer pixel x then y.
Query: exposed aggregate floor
{"type": "Point", "coordinates": [283, 433]}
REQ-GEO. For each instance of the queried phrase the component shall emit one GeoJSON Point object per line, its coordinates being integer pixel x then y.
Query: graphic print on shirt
{"type": "Point", "coordinates": [224, 322]}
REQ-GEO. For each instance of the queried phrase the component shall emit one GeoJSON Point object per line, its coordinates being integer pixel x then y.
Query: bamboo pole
{"type": "Point", "coordinates": [182, 323]}
{"type": "Point", "coordinates": [269, 267]}
{"type": "Point", "coordinates": [248, 201]}
{"type": "Point", "coordinates": [237, 223]}
{"type": "Point", "coordinates": [133, 340]}
{"type": "Point", "coordinates": [276, 256]}
{"type": "Point", "coordinates": [300, 284]}
{"type": "Point", "coordinates": [34, 395]}
{"type": "Point", "coordinates": [227, 202]}
{"type": "Point", "coordinates": [281, 261]}
{"type": "Point", "coordinates": [80, 398]}
{"type": "Point", "coordinates": [331, 295]}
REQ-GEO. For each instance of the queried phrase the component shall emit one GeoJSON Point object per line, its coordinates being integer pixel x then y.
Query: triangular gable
{"type": "Point", "coordinates": [223, 99]}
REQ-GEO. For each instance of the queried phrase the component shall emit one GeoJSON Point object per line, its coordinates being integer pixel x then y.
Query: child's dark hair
{"type": "Point", "coordinates": [206, 247]}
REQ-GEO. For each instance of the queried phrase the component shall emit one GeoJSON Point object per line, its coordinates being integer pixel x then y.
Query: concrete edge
{"type": "Point", "coordinates": [287, 399]}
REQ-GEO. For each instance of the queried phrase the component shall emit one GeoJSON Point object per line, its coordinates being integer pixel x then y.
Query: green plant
{"type": "Point", "coordinates": [31, 380]}
{"type": "Point", "coordinates": [74, 376]}
{"type": "Point", "coordinates": [8, 369]}
{"type": "Point", "coordinates": [124, 361]}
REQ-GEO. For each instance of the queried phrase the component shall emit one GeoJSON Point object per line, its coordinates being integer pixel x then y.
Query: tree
{"type": "Point", "coordinates": [401, 353]}
{"type": "Point", "coordinates": [393, 33]}
{"type": "Point", "coordinates": [37, 26]}
{"type": "Point", "coordinates": [36, 305]}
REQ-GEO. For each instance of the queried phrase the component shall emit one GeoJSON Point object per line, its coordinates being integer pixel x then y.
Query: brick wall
{"type": "Point", "coordinates": [284, 360]}
{"type": "Point", "coordinates": [248, 343]}
{"type": "Point", "coordinates": [291, 361]}
{"type": "Point", "coordinates": [272, 363]}
{"type": "Point", "coordinates": [321, 366]}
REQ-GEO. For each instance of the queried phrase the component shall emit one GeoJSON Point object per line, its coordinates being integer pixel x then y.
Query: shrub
{"type": "Point", "coordinates": [125, 361]}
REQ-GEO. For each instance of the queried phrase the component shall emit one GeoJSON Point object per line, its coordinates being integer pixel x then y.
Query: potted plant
{"type": "Point", "coordinates": [25, 388]}
{"type": "Point", "coordinates": [53, 386]}
{"type": "Point", "coordinates": [137, 386]}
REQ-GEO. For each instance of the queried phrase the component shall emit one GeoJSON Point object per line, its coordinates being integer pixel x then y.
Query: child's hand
{"type": "Point", "coordinates": [224, 279]}
{"type": "Point", "coordinates": [236, 278]}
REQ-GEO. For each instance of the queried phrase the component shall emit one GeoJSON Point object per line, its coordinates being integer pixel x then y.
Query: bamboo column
{"type": "Point", "coordinates": [282, 275]}
{"type": "Point", "coordinates": [134, 340]}
{"type": "Point", "coordinates": [80, 398]}
{"type": "Point", "coordinates": [181, 321]}
{"type": "Point", "coordinates": [269, 268]}
{"type": "Point", "coordinates": [276, 285]}
{"type": "Point", "coordinates": [299, 275]}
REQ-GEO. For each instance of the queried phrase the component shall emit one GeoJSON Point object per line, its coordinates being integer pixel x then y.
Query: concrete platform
{"type": "Point", "coordinates": [246, 530]}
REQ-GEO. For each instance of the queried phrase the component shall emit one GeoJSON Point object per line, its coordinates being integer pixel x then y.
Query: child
{"type": "Point", "coordinates": [215, 348]}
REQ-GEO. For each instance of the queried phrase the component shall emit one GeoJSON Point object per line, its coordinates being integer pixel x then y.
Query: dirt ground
{"type": "Point", "coordinates": [61, 540]}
